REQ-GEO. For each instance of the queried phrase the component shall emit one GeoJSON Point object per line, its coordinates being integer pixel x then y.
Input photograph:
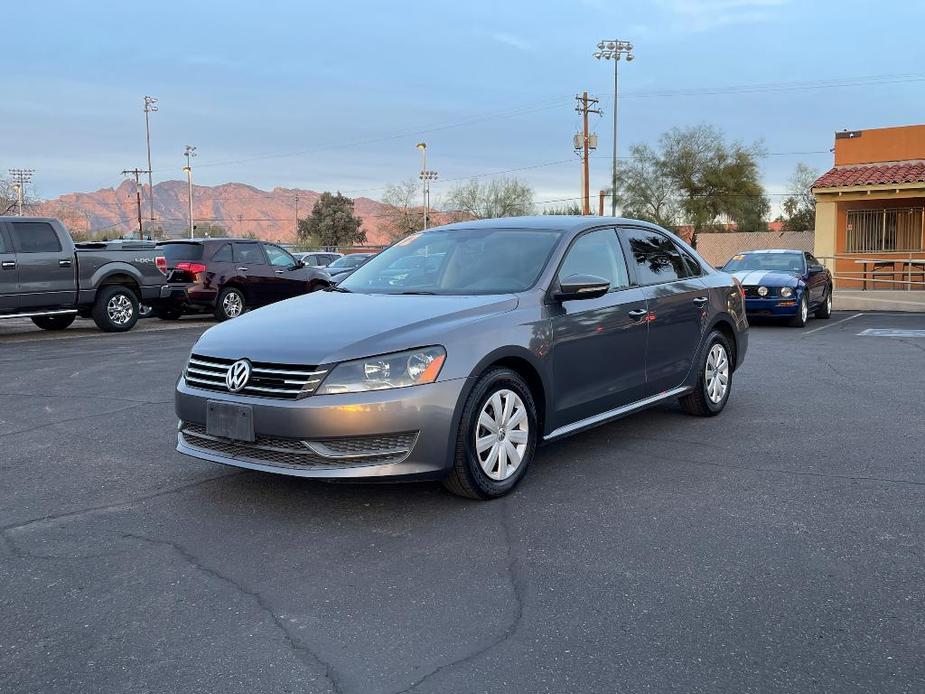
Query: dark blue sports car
{"type": "Point", "coordinates": [783, 283]}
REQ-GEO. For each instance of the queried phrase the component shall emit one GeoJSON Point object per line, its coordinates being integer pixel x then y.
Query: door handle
{"type": "Point", "coordinates": [638, 313]}
{"type": "Point", "coordinates": [701, 300]}
{"type": "Point", "coordinates": [64, 263]}
{"type": "Point", "coordinates": [8, 265]}
{"type": "Point", "coordinates": [242, 269]}
{"type": "Point", "coordinates": [279, 272]}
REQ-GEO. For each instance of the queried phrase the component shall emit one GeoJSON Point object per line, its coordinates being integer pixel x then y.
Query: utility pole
{"type": "Point", "coordinates": [297, 216]}
{"type": "Point", "coordinates": [150, 105]}
{"type": "Point", "coordinates": [20, 178]}
{"type": "Point", "coordinates": [585, 106]}
{"type": "Point", "coordinates": [614, 50]}
{"type": "Point", "coordinates": [190, 152]}
{"type": "Point", "coordinates": [426, 177]}
{"type": "Point", "coordinates": [136, 172]}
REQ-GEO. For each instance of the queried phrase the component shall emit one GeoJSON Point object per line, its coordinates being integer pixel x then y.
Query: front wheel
{"type": "Point", "coordinates": [802, 316]}
{"type": "Point", "coordinates": [115, 309]}
{"type": "Point", "coordinates": [715, 382]}
{"type": "Point", "coordinates": [825, 311]}
{"type": "Point", "coordinates": [54, 322]}
{"type": "Point", "coordinates": [497, 437]}
{"type": "Point", "coordinates": [230, 304]}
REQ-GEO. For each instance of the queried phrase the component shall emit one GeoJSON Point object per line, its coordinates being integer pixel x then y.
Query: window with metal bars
{"type": "Point", "coordinates": [872, 231]}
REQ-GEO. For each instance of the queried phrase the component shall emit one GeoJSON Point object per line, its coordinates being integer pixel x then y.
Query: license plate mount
{"type": "Point", "coordinates": [228, 420]}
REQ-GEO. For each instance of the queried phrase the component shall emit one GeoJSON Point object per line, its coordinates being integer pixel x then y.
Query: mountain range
{"type": "Point", "coordinates": [239, 208]}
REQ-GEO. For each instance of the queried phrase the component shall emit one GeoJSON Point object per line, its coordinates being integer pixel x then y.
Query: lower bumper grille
{"type": "Point", "coordinates": [295, 454]}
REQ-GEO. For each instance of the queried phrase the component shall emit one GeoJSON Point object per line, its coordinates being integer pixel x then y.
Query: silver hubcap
{"type": "Point", "coordinates": [716, 373]}
{"type": "Point", "coordinates": [502, 434]}
{"type": "Point", "coordinates": [804, 309]}
{"type": "Point", "coordinates": [232, 304]}
{"type": "Point", "coordinates": [120, 309]}
{"type": "Point", "coordinates": [828, 303]}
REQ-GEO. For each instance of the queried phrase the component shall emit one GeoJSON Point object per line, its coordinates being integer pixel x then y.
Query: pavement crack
{"type": "Point", "coordinates": [37, 427]}
{"type": "Point", "coordinates": [306, 654]}
{"type": "Point", "coordinates": [13, 527]}
{"type": "Point", "coordinates": [82, 396]}
{"type": "Point", "coordinates": [518, 590]}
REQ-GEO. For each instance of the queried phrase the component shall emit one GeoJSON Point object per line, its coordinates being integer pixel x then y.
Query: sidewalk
{"type": "Point", "coordinates": [879, 300]}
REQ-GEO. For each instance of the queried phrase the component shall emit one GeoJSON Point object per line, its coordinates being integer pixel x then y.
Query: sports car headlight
{"type": "Point", "coordinates": [762, 291]}
{"type": "Point", "coordinates": [786, 292]}
{"type": "Point", "coordinates": [396, 370]}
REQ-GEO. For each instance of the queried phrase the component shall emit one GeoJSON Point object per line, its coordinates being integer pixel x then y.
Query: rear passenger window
{"type": "Point", "coordinates": [654, 256]}
{"type": "Point", "coordinates": [223, 254]}
{"type": "Point", "coordinates": [597, 253]}
{"type": "Point", "coordinates": [249, 253]}
{"type": "Point", "coordinates": [35, 237]}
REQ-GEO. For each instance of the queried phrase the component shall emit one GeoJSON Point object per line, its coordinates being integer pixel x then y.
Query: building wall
{"type": "Point", "coordinates": [719, 247]}
{"type": "Point", "coordinates": [880, 145]}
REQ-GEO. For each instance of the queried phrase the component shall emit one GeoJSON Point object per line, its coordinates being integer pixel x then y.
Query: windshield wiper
{"type": "Point", "coordinates": [417, 292]}
{"type": "Point", "coordinates": [335, 288]}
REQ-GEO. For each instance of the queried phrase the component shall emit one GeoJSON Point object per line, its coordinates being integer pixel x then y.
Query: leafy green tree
{"type": "Point", "coordinates": [332, 222]}
{"type": "Point", "coordinates": [646, 191]}
{"type": "Point", "coordinates": [570, 209]}
{"type": "Point", "coordinates": [499, 197]}
{"type": "Point", "coordinates": [800, 204]}
{"type": "Point", "coordinates": [403, 214]}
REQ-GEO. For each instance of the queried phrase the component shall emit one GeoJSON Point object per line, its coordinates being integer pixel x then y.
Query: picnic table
{"type": "Point", "coordinates": [887, 266]}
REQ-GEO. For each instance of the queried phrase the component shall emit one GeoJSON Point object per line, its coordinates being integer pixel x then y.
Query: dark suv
{"type": "Point", "coordinates": [228, 276]}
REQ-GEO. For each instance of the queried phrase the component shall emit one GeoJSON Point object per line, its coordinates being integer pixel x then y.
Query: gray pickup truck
{"type": "Point", "coordinates": [46, 277]}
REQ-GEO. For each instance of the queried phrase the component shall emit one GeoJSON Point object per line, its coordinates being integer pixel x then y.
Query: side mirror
{"type": "Point", "coordinates": [581, 287]}
{"type": "Point", "coordinates": [814, 268]}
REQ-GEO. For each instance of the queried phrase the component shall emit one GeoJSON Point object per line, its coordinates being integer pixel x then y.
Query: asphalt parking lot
{"type": "Point", "coordinates": [776, 548]}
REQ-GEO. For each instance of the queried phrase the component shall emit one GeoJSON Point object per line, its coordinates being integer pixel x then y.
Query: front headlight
{"type": "Point", "coordinates": [786, 292]}
{"type": "Point", "coordinates": [396, 370]}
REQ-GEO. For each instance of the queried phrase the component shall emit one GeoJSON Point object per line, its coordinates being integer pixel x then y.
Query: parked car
{"type": "Point", "coordinates": [317, 258]}
{"type": "Point", "coordinates": [342, 268]}
{"type": "Point", "coordinates": [783, 283]}
{"type": "Point", "coordinates": [229, 276]}
{"type": "Point", "coordinates": [533, 329]}
{"type": "Point", "coordinates": [46, 277]}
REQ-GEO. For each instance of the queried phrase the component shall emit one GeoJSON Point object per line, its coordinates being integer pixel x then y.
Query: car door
{"type": "Point", "coordinates": [251, 269]}
{"type": "Point", "coordinates": [289, 279]}
{"type": "Point", "coordinates": [599, 345]}
{"type": "Point", "coordinates": [676, 299]}
{"type": "Point", "coordinates": [47, 276]}
{"type": "Point", "coordinates": [9, 274]}
{"type": "Point", "coordinates": [816, 279]}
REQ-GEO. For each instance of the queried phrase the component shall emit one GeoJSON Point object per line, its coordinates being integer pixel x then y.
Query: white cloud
{"type": "Point", "coordinates": [702, 15]}
{"type": "Point", "coordinates": [513, 41]}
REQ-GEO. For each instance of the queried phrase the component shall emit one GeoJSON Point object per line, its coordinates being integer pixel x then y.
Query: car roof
{"type": "Point", "coordinates": [550, 222]}
{"type": "Point", "coordinates": [209, 240]}
{"type": "Point", "coordinates": [772, 250]}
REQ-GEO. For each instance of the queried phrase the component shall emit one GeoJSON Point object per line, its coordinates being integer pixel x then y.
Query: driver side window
{"type": "Point", "coordinates": [598, 254]}
{"type": "Point", "coordinates": [278, 257]}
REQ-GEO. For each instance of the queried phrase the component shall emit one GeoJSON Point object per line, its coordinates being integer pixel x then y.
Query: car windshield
{"type": "Point", "coordinates": [349, 261]}
{"type": "Point", "coordinates": [463, 261]}
{"type": "Point", "coordinates": [780, 262]}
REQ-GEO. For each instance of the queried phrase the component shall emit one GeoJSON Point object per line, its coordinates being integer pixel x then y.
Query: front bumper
{"type": "Point", "coordinates": [425, 415]}
{"type": "Point", "coordinates": [772, 306]}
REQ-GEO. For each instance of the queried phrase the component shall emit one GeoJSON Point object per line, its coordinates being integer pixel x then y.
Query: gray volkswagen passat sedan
{"type": "Point", "coordinates": [513, 332]}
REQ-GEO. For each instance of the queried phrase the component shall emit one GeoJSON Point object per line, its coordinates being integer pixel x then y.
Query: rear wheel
{"type": "Point", "coordinates": [802, 316]}
{"type": "Point", "coordinates": [497, 437]}
{"type": "Point", "coordinates": [825, 311]}
{"type": "Point", "coordinates": [230, 304]}
{"type": "Point", "coordinates": [715, 382]}
{"type": "Point", "coordinates": [54, 322]}
{"type": "Point", "coordinates": [116, 309]}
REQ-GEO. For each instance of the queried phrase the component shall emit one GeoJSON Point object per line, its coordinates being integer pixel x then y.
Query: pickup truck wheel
{"type": "Point", "coordinates": [54, 322]}
{"type": "Point", "coordinates": [230, 304]}
{"type": "Point", "coordinates": [116, 309]}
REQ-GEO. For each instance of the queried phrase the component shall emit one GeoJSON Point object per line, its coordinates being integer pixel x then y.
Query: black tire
{"type": "Point", "coordinates": [54, 322]}
{"type": "Point", "coordinates": [169, 312]}
{"type": "Point", "coordinates": [467, 478]}
{"type": "Point", "coordinates": [227, 299]}
{"type": "Point", "coordinates": [802, 315]}
{"type": "Point", "coordinates": [699, 402]}
{"type": "Point", "coordinates": [115, 309]}
{"type": "Point", "coordinates": [825, 310]}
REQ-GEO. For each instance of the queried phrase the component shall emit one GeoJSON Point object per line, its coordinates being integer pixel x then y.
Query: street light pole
{"type": "Point", "coordinates": [150, 105]}
{"type": "Point", "coordinates": [426, 177]}
{"type": "Point", "coordinates": [614, 50]}
{"type": "Point", "coordinates": [190, 152]}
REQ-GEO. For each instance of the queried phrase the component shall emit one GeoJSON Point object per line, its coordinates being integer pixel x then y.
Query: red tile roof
{"type": "Point", "coordinates": [872, 175]}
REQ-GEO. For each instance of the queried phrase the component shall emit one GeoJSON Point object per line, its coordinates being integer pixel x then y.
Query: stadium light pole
{"type": "Point", "coordinates": [614, 50]}
{"type": "Point", "coordinates": [426, 177]}
{"type": "Point", "coordinates": [190, 152]}
{"type": "Point", "coordinates": [150, 105]}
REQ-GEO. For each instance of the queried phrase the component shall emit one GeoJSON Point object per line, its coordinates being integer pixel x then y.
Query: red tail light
{"type": "Point", "coordinates": [192, 268]}
{"type": "Point", "coordinates": [161, 263]}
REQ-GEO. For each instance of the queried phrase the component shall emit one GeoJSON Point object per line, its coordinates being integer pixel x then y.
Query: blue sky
{"type": "Point", "coordinates": [335, 95]}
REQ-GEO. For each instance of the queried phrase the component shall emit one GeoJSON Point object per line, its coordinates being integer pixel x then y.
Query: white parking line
{"type": "Point", "coordinates": [832, 325]}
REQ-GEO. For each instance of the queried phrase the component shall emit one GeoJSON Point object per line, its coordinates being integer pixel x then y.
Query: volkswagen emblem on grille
{"type": "Point", "coordinates": [238, 375]}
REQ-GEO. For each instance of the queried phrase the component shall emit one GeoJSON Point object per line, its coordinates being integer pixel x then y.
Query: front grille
{"type": "Point", "coordinates": [752, 293]}
{"type": "Point", "coordinates": [266, 380]}
{"type": "Point", "coordinates": [296, 454]}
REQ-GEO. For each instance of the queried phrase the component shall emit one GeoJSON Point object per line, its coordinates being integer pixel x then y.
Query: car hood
{"type": "Point", "coordinates": [325, 327]}
{"type": "Point", "coordinates": [767, 278]}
